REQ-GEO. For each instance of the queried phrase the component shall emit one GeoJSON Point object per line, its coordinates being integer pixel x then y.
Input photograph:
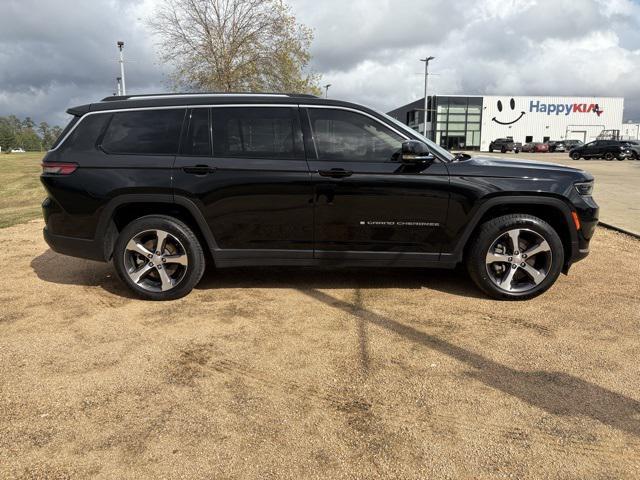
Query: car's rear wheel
{"type": "Point", "coordinates": [159, 258]}
{"type": "Point", "coordinates": [515, 257]}
{"type": "Point", "coordinates": [608, 156]}
{"type": "Point", "coordinates": [575, 155]}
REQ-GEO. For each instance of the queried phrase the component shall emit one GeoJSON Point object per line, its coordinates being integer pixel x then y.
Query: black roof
{"type": "Point", "coordinates": [188, 99]}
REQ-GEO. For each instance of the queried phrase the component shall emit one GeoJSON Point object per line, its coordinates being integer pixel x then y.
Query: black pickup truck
{"type": "Point", "coordinates": [505, 145]}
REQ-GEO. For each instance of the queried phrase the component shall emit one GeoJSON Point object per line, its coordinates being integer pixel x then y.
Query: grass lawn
{"type": "Point", "coordinates": [21, 192]}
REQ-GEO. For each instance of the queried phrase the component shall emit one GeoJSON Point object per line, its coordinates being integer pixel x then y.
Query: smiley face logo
{"type": "Point", "coordinates": [512, 104]}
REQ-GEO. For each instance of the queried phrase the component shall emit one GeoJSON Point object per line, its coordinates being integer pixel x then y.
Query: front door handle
{"type": "Point", "coordinates": [336, 173]}
{"type": "Point", "coordinates": [199, 169]}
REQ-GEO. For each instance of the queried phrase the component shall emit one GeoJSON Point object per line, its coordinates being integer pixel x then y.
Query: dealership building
{"type": "Point", "coordinates": [472, 122]}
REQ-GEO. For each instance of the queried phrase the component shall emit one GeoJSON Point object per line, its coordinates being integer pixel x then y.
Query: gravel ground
{"type": "Point", "coordinates": [295, 373]}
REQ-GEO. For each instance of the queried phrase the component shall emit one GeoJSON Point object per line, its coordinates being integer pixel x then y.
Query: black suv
{"type": "Point", "coordinates": [160, 183]}
{"type": "Point", "coordinates": [505, 145]}
{"type": "Point", "coordinates": [607, 149]}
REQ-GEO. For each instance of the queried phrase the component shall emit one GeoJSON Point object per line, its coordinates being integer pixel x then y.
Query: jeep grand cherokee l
{"type": "Point", "coordinates": [159, 184]}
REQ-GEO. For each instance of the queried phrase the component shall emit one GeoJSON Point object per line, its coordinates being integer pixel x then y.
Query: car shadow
{"type": "Point", "coordinates": [557, 393]}
{"type": "Point", "coordinates": [454, 282]}
{"type": "Point", "coordinates": [61, 269]}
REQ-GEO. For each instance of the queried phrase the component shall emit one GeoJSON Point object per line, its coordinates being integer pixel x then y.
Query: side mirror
{"type": "Point", "coordinates": [414, 151]}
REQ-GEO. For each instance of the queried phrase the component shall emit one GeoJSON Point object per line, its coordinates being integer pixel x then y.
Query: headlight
{"type": "Point", "coordinates": [584, 188]}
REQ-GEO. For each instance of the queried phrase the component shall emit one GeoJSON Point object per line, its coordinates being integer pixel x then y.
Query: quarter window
{"type": "Point", "coordinates": [144, 132]}
{"type": "Point", "coordinates": [349, 136]}
{"type": "Point", "coordinates": [257, 132]}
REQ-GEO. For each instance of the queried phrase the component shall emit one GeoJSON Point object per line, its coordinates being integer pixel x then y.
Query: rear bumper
{"type": "Point", "coordinates": [74, 247]}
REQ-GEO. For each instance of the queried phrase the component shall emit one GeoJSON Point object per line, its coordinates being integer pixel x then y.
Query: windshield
{"type": "Point", "coordinates": [432, 145]}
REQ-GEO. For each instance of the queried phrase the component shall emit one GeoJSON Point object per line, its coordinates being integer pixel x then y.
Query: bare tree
{"type": "Point", "coordinates": [235, 45]}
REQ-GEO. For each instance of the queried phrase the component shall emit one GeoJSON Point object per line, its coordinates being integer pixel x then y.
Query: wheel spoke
{"type": "Point", "coordinates": [165, 279]}
{"type": "Point", "coordinates": [493, 257]}
{"type": "Point", "coordinates": [514, 235]}
{"type": "Point", "coordinates": [507, 281]}
{"type": "Point", "coordinates": [160, 243]}
{"type": "Point", "coordinates": [536, 275]}
{"type": "Point", "coordinates": [180, 259]}
{"type": "Point", "coordinates": [139, 274]}
{"type": "Point", "coordinates": [541, 247]}
{"type": "Point", "coordinates": [137, 247]}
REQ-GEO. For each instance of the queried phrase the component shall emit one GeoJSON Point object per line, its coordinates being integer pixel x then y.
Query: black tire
{"type": "Point", "coordinates": [192, 272]}
{"type": "Point", "coordinates": [485, 237]}
{"type": "Point", "coordinates": [575, 155]}
{"type": "Point", "coordinates": [619, 158]}
{"type": "Point", "coordinates": [608, 156]}
{"type": "Point", "coordinates": [503, 150]}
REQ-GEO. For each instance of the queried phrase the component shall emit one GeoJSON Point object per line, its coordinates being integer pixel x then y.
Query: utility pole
{"type": "Point", "coordinates": [326, 90]}
{"type": "Point", "coordinates": [118, 89]}
{"type": "Point", "coordinates": [120, 47]}
{"type": "Point", "coordinates": [426, 84]}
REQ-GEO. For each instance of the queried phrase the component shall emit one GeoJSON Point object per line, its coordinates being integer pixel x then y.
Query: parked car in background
{"type": "Point", "coordinates": [607, 149]}
{"type": "Point", "coordinates": [505, 145]}
{"type": "Point", "coordinates": [556, 145]}
{"type": "Point", "coordinates": [535, 147]}
{"type": "Point", "coordinates": [570, 144]}
{"type": "Point", "coordinates": [17, 150]}
{"type": "Point", "coordinates": [634, 148]}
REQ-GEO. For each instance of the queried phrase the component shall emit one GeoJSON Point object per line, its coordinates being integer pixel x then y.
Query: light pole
{"type": "Point", "coordinates": [426, 84]}
{"type": "Point", "coordinates": [326, 90]}
{"type": "Point", "coordinates": [118, 82]}
{"type": "Point", "coordinates": [120, 47]}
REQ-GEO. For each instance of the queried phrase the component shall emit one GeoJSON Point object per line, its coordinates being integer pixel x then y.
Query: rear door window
{"type": "Point", "coordinates": [144, 132]}
{"type": "Point", "coordinates": [257, 132]}
{"type": "Point", "coordinates": [197, 141]}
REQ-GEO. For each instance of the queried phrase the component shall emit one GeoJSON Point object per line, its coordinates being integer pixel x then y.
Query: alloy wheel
{"type": "Point", "coordinates": [155, 260]}
{"type": "Point", "coordinates": [518, 260]}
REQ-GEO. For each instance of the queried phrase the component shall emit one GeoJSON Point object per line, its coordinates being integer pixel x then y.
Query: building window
{"type": "Point", "coordinates": [528, 139]}
{"type": "Point", "coordinates": [545, 139]}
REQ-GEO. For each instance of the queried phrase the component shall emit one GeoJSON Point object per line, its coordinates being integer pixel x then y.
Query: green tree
{"type": "Point", "coordinates": [29, 140]}
{"type": "Point", "coordinates": [28, 124]}
{"type": "Point", "coordinates": [235, 45]}
{"type": "Point", "coordinates": [7, 137]}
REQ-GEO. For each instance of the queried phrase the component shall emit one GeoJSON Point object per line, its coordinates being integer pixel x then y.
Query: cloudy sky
{"type": "Point", "coordinates": [58, 53]}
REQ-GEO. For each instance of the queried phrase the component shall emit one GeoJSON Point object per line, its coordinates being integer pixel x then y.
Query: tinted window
{"type": "Point", "coordinates": [257, 132]}
{"type": "Point", "coordinates": [197, 141]}
{"type": "Point", "coordinates": [66, 130]}
{"type": "Point", "coordinates": [85, 135]}
{"type": "Point", "coordinates": [153, 132]}
{"type": "Point", "coordinates": [344, 135]}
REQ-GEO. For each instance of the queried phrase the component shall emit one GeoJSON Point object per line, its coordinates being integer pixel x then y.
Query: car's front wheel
{"type": "Point", "coordinates": [608, 156]}
{"type": "Point", "coordinates": [515, 257]}
{"type": "Point", "coordinates": [159, 258]}
{"type": "Point", "coordinates": [575, 155]}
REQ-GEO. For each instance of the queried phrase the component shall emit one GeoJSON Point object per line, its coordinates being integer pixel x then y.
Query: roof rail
{"type": "Point", "coordinates": [149, 96]}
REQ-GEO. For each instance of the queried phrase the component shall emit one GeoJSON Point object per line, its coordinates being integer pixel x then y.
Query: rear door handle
{"type": "Point", "coordinates": [199, 169]}
{"type": "Point", "coordinates": [336, 173]}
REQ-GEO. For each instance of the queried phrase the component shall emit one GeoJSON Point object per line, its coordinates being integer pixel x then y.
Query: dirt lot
{"type": "Point", "coordinates": [272, 373]}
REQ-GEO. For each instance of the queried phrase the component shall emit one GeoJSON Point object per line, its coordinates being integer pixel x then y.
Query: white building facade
{"type": "Point", "coordinates": [459, 122]}
{"type": "Point", "coordinates": [539, 119]}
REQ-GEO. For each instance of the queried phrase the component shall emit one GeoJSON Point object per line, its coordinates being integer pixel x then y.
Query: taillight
{"type": "Point", "coordinates": [59, 168]}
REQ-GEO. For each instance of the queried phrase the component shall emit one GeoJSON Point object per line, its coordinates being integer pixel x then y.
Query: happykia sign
{"type": "Point", "coordinates": [564, 108]}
